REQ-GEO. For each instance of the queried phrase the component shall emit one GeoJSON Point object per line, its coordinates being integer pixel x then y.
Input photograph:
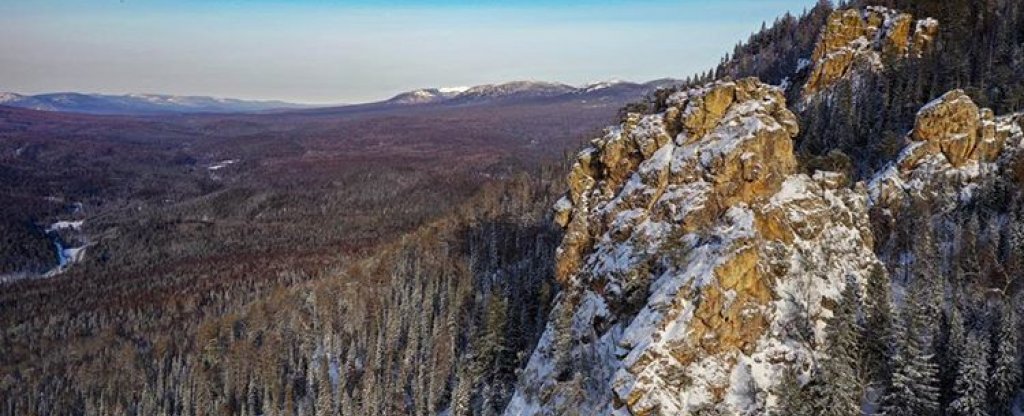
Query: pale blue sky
{"type": "Point", "coordinates": [324, 51]}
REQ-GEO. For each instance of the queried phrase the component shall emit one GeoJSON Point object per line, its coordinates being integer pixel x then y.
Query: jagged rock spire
{"type": "Point", "coordinates": [695, 261]}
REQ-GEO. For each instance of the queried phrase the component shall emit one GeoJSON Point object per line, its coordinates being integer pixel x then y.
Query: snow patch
{"type": "Point", "coordinates": [222, 164]}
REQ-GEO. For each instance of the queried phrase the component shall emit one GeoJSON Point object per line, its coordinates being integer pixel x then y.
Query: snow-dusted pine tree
{"type": "Point", "coordinates": [878, 336]}
{"type": "Point", "coordinates": [915, 382]}
{"type": "Point", "coordinates": [1006, 376]}
{"type": "Point", "coordinates": [839, 391]}
{"type": "Point", "coordinates": [970, 382]}
{"type": "Point", "coordinates": [792, 399]}
{"type": "Point", "coordinates": [953, 349]}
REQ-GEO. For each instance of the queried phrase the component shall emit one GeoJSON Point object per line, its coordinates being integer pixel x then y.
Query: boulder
{"type": "Point", "coordinates": [953, 122]}
{"type": "Point", "coordinates": [954, 147]}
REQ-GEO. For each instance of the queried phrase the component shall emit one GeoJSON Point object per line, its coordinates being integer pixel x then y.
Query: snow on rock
{"type": "Point", "coordinates": [66, 256]}
{"type": "Point", "coordinates": [856, 40]}
{"type": "Point", "coordinates": [222, 164]}
{"type": "Point", "coordinates": [66, 225]}
{"type": "Point", "coordinates": [954, 147]}
{"type": "Point", "coordinates": [693, 255]}
{"type": "Point", "coordinates": [955, 153]}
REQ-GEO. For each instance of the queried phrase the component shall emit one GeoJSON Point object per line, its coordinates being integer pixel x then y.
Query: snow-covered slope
{"type": "Point", "coordinates": [695, 261]}
{"type": "Point", "coordinates": [426, 95]}
{"type": "Point", "coordinates": [518, 89]}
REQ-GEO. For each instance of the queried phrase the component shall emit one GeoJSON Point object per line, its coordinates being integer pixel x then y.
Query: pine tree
{"type": "Point", "coordinates": [289, 399]}
{"type": "Point", "coordinates": [1006, 376]}
{"type": "Point", "coordinates": [564, 339]}
{"type": "Point", "coordinates": [915, 376]}
{"type": "Point", "coordinates": [324, 394]}
{"type": "Point", "coordinates": [493, 349]}
{"type": "Point", "coordinates": [463, 395]}
{"type": "Point", "coordinates": [838, 390]}
{"type": "Point", "coordinates": [970, 382]}
{"type": "Point", "coordinates": [252, 397]}
{"type": "Point", "coordinates": [954, 346]}
{"type": "Point", "coordinates": [899, 398]}
{"type": "Point", "coordinates": [878, 336]}
{"type": "Point", "coordinates": [792, 398]}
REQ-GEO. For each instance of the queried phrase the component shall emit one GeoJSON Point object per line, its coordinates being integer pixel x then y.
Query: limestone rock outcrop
{"type": "Point", "coordinates": [957, 157]}
{"type": "Point", "coordinates": [857, 40]}
{"type": "Point", "coordinates": [953, 146]}
{"type": "Point", "coordinates": [957, 127]}
{"type": "Point", "coordinates": [693, 253]}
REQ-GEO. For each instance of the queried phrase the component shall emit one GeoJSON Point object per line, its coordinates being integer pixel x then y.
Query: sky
{"type": "Point", "coordinates": [338, 51]}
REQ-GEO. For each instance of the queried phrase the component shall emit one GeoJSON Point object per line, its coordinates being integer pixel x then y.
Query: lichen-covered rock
{"type": "Point", "coordinates": [858, 40]}
{"type": "Point", "coordinates": [687, 275]}
{"type": "Point", "coordinates": [710, 118]}
{"type": "Point", "coordinates": [898, 34]}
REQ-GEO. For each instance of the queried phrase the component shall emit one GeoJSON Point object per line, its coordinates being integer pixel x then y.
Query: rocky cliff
{"type": "Point", "coordinates": [699, 265]}
{"type": "Point", "coordinates": [953, 145]}
{"type": "Point", "coordinates": [696, 261]}
{"type": "Point", "coordinates": [954, 150]}
{"type": "Point", "coordinates": [861, 40]}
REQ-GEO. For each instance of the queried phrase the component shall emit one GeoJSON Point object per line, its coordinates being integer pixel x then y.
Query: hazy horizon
{"type": "Point", "coordinates": [330, 52]}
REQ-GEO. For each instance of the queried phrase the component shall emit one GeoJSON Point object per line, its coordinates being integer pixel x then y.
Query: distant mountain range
{"type": "Point", "coordinates": [139, 104]}
{"type": "Point", "coordinates": [159, 104]}
{"type": "Point", "coordinates": [529, 90]}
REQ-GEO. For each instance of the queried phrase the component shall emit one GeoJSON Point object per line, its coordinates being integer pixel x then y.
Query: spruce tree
{"type": "Point", "coordinates": [954, 346]}
{"type": "Point", "coordinates": [1006, 377]}
{"type": "Point", "coordinates": [970, 387]}
{"type": "Point", "coordinates": [324, 393]}
{"type": "Point", "coordinates": [791, 397]}
{"type": "Point", "coordinates": [564, 339]}
{"type": "Point", "coordinates": [838, 391]}
{"type": "Point", "coordinates": [915, 376]}
{"type": "Point", "coordinates": [878, 331]}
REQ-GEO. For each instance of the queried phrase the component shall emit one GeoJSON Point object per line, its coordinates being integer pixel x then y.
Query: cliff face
{"type": "Point", "coordinates": [694, 257]}
{"type": "Point", "coordinates": [857, 40]}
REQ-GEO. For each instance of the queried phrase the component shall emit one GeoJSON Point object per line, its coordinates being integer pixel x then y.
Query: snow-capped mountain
{"type": "Point", "coordinates": [529, 90]}
{"type": "Point", "coordinates": [516, 89]}
{"type": "Point", "coordinates": [6, 97]}
{"type": "Point", "coordinates": [138, 104]}
{"type": "Point", "coordinates": [426, 95]}
{"type": "Point", "coordinates": [154, 104]}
